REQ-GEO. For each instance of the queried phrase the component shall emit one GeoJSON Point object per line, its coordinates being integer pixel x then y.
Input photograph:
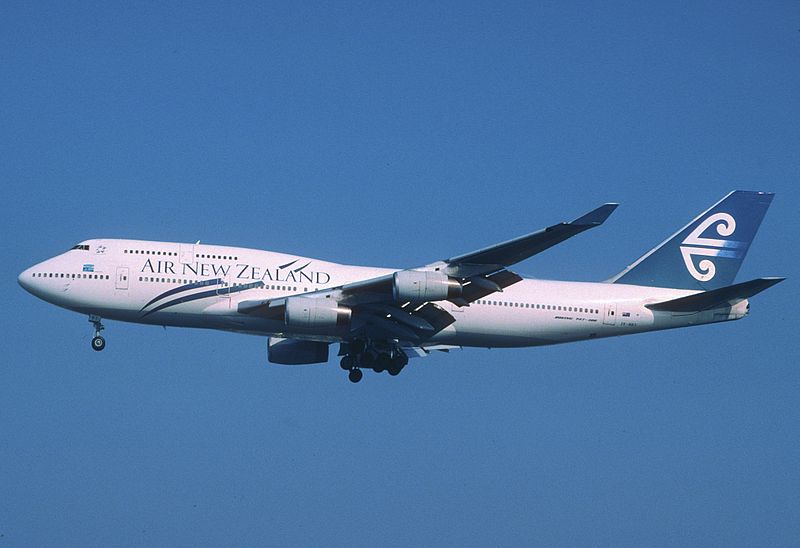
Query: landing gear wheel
{"type": "Point", "coordinates": [397, 364]}
{"type": "Point", "coordinates": [355, 375]}
{"type": "Point", "coordinates": [98, 343]}
{"type": "Point", "coordinates": [367, 360]}
{"type": "Point", "coordinates": [382, 363]}
{"type": "Point", "coordinates": [347, 363]}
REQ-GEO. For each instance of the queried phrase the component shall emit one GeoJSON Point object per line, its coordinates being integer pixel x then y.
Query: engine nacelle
{"type": "Point", "coordinates": [296, 352]}
{"type": "Point", "coordinates": [423, 285]}
{"type": "Point", "coordinates": [311, 313]}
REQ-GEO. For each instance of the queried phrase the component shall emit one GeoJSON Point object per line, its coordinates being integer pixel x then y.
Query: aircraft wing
{"type": "Point", "coordinates": [382, 305]}
{"type": "Point", "coordinates": [496, 257]}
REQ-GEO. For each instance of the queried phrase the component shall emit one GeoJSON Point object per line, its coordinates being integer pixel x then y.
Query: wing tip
{"type": "Point", "coordinates": [597, 216]}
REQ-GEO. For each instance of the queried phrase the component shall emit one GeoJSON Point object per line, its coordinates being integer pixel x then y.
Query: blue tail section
{"type": "Point", "coordinates": [707, 253]}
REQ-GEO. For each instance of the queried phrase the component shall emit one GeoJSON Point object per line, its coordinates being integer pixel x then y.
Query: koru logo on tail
{"type": "Point", "coordinates": [696, 245]}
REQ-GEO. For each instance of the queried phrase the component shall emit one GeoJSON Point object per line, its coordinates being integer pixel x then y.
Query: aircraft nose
{"type": "Point", "coordinates": [25, 279]}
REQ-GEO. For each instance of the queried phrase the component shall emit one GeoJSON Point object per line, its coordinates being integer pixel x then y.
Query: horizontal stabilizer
{"type": "Point", "coordinates": [716, 298]}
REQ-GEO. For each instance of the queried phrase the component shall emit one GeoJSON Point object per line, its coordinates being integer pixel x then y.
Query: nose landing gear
{"type": "Point", "coordinates": [98, 342]}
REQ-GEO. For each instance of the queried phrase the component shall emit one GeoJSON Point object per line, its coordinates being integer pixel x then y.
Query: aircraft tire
{"type": "Point", "coordinates": [355, 375]}
{"type": "Point", "coordinates": [98, 343]}
{"type": "Point", "coordinates": [367, 359]}
{"type": "Point", "coordinates": [397, 365]}
{"type": "Point", "coordinates": [382, 363]}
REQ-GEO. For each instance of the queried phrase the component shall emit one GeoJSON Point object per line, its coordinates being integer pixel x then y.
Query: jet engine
{"type": "Point", "coordinates": [311, 313]}
{"type": "Point", "coordinates": [422, 285]}
{"type": "Point", "coordinates": [296, 352]}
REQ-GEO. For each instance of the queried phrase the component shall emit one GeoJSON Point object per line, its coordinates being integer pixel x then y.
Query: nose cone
{"type": "Point", "coordinates": [26, 280]}
{"type": "Point", "coordinates": [48, 289]}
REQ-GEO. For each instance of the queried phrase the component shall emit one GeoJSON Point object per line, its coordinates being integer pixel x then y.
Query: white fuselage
{"type": "Point", "coordinates": [199, 285]}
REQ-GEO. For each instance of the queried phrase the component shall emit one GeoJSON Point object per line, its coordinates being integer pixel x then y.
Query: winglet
{"type": "Point", "coordinates": [596, 216]}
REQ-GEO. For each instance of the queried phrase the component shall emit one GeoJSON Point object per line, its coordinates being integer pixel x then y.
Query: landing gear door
{"type": "Point", "coordinates": [123, 273]}
{"type": "Point", "coordinates": [187, 253]}
{"type": "Point", "coordinates": [610, 317]}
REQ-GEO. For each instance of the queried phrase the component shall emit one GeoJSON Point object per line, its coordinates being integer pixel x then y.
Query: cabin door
{"type": "Point", "coordinates": [610, 317]}
{"type": "Point", "coordinates": [123, 273]}
{"type": "Point", "coordinates": [187, 253]}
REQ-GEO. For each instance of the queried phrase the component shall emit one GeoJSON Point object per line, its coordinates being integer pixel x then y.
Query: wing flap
{"type": "Point", "coordinates": [480, 286]}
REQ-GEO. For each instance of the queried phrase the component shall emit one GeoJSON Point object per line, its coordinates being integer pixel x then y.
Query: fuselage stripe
{"type": "Point", "coordinates": [203, 295]}
{"type": "Point", "coordinates": [182, 288]}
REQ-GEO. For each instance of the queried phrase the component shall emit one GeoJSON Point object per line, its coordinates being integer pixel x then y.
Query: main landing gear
{"type": "Point", "coordinates": [98, 342]}
{"type": "Point", "coordinates": [358, 355]}
{"type": "Point", "coordinates": [355, 375]}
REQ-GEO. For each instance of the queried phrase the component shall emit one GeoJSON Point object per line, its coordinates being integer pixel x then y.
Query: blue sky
{"type": "Point", "coordinates": [395, 135]}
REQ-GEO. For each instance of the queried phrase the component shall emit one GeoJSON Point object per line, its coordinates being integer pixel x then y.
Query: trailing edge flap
{"type": "Point", "coordinates": [428, 319]}
{"type": "Point", "coordinates": [716, 298]}
{"type": "Point", "coordinates": [423, 351]}
{"type": "Point", "coordinates": [481, 286]}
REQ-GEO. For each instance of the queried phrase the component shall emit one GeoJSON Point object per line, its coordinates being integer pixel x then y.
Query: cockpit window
{"type": "Point", "coordinates": [82, 247]}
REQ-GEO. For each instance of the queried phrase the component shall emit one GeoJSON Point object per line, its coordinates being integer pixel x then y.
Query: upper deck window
{"type": "Point", "coordinates": [82, 247]}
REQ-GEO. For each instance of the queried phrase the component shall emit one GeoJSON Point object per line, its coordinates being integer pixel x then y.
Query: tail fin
{"type": "Point", "coordinates": [696, 257]}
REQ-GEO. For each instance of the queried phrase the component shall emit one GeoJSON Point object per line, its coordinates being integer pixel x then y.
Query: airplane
{"type": "Point", "coordinates": [381, 317]}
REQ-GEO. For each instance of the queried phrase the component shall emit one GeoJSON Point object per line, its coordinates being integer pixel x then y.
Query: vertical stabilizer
{"type": "Point", "coordinates": [708, 252]}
